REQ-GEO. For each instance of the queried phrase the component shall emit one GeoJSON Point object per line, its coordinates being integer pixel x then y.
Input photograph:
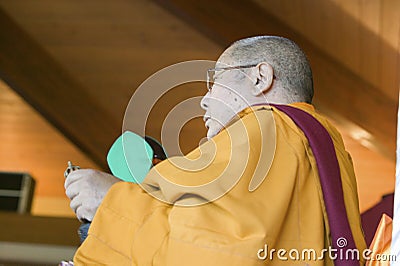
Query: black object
{"type": "Point", "coordinates": [158, 150]}
{"type": "Point", "coordinates": [16, 192]}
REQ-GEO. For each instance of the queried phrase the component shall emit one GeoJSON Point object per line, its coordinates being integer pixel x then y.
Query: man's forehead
{"type": "Point", "coordinates": [225, 60]}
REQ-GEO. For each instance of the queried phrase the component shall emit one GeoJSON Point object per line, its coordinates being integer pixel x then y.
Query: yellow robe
{"type": "Point", "coordinates": [285, 211]}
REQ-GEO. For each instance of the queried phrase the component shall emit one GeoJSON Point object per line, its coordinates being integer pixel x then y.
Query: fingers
{"type": "Point", "coordinates": [79, 175]}
{"type": "Point", "coordinates": [75, 204]}
{"type": "Point", "coordinates": [84, 207]}
{"type": "Point", "coordinates": [72, 190]}
{"type": "Point", "coordinates": [84, 215]}
{"type": "Point", "coordinates": [86, 188]}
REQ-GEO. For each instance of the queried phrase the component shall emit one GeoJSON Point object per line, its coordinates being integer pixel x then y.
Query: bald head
{"type": "Point", "coordinates": [290, 65]}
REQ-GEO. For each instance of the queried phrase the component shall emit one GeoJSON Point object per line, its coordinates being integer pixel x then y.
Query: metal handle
{"type": "Point", "coordinates": [70, 169]}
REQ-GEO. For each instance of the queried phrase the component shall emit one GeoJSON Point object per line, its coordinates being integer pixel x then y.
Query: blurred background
{"type": "Point", "coordinates": [68, 69]}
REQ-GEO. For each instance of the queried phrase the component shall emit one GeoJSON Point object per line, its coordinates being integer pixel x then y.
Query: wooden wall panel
{"type": "Point", "coordinates": [42, 81]}
{"type": "Point", "coordinates": [370, 65]}
{"type": "Point", "coordinates": [39, 230]}
{"type": "Point", "coordinates": [390, 34]}
{"type": "Point", "coordinates": [362, 35]}
{"type": "Point", "coordinates": [30, 144]}
{"type": "Point", "coordinates": [111, 47]}
{"type": "Point", "coordinates": [375, 173]}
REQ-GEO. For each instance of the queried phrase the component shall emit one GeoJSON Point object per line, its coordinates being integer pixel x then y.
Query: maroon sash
{"type": "Point", "coordinates": [331, 183]}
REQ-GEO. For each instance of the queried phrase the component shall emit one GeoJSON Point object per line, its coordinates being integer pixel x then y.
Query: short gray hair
{"type": "Point", "coordinates": [289, 62]}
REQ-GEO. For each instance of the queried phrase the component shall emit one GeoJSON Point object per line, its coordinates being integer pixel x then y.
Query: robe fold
{"type": "Point", "coordinates": [238, 199]}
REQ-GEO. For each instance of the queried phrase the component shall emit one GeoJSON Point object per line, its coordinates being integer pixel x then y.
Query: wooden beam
{"type": "Point", "coordinates": [31, 71]}
{"type": "Point", "coordinates": [40, 230]}
{"type": "Point", "coordinates": [337, 87]}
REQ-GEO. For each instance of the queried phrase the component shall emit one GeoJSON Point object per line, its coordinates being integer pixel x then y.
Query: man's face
{"type": "Point", "coordinates": [226, 98]}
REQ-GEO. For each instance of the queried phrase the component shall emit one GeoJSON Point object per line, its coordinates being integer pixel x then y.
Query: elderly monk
{"type": "Point", "coordinates": [273, 185]}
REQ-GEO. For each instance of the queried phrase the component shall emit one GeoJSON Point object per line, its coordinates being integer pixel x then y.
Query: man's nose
{"type": "Point", "coordinates": [204, 101]}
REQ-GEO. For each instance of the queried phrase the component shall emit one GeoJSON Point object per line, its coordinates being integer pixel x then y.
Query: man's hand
{"type": "Point", "coordinates": [86, 188]}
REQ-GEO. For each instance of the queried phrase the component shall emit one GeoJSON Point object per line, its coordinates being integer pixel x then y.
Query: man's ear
{"type": "Point", "coordinates": [264, 77]}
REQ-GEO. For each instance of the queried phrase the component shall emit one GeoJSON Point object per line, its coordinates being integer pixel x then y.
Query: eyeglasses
{"type": "Point", "coordinates": [211, 73]}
